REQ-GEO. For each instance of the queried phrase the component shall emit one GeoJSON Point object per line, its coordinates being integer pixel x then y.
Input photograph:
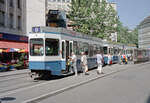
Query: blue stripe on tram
{"type": "Point", "coordinates": [54, 66]}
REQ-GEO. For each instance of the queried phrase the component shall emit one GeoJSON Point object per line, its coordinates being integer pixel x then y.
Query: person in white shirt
{"type": "Point", "coordinates": [99, 62]}
{"type": "Point", "coordinates": [109, 59]}
{"type": "Point", "coordinates": [84, 63]}
{"type": "Point", "coordinates": [74, 63]}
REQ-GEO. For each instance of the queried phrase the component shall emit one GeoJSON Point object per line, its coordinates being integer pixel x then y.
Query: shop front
{"type": "Point", "coordinates": [13, 51]}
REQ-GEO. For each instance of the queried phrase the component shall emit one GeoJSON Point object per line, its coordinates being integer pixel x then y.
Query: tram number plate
{"type": "Point", "coordinates": [36, 29]}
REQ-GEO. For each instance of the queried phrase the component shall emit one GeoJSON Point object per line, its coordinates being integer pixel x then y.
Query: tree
{"type": "Point", "coordinates": [127, 36]}
{"type": "Point", "coordinates": [93, 17]}
{"type": "Point", "coordinates": [79, 15]}
{"type": "Point", "coordinates": [105, 19]}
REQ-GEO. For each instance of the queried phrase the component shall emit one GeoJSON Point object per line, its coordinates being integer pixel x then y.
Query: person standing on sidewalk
{"type": "Point", "coordinates": [109, 59]}
{"type": "Point", "coordinates": [74, 63]}
{"type": "Point", "coordinates": [99, 62]}
{"type": "Point", "coordinates": [84, 63]}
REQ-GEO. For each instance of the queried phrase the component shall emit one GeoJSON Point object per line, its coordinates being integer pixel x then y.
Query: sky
{"type": "Point", "coordinates": [132, 12]}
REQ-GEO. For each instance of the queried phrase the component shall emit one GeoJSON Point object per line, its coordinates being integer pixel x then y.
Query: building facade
{"type": "Point", "coordinates": [62, 5]}
{"type": "Point", "coordinates": [17, 17]}
{"type": "Point", "coordinates": [35, 11]}
{"type": "Point", "coordinates": [12, 24]}
{"type": "Point", "coordinates": [144, 33]}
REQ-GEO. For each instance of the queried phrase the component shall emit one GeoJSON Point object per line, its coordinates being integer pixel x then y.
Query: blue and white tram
{"type": "Point", "coordinates": [51, 47]}
{"type": "Point", "coordinates": [110, 53]}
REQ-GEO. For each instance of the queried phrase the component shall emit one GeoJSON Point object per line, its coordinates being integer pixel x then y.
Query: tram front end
{"type": "Point", "coordinates": [45, 56]}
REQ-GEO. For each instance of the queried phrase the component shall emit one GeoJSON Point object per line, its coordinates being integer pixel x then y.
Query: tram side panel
{"type": "Point", "coordinates": [81, 45]}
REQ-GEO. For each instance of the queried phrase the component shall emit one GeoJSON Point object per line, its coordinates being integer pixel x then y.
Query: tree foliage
{"type": "Point", "coordinates": [99, 19]}
{"type": "Point", "coordinates": [93, 17]}
{"type": "Point", "coordinates": [127, 36]}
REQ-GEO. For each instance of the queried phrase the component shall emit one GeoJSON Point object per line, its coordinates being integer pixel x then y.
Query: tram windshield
{"type": "Point", "coordinates": [36, 47]}
{"type": "Point", "coordinates": [52, 47]}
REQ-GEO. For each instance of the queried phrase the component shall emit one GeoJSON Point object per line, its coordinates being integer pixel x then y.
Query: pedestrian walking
{"type": "Point", "coordinates": [84, 63]}
{"type": "Point", "coordinates": [74, 63]}
{"type": "Point", "coordinates": [99, 62]}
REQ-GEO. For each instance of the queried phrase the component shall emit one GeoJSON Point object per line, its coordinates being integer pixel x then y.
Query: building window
{"type": "Point", "coordinates": [19, 4]}
{"type": "Point", "coordinates": [58, 0]}
{"type": "Point", "coordinates": [11, 3]}
{"type": "Point", "coordinates": [54, 0]}
{"type": "Point", "coordinates": [11, 20]}
{"type": "Point", "coordinates": [2, 18]}
{"type": "Point", "coordinates": [19, 22]}
{"type": "Point", "coordinates": [63, 0]}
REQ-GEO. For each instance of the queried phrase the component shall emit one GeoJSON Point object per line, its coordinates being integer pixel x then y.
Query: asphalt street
{"type": "Point", "coordinates": [119, 84]}
{"type": "Point", "coordinates": [130, 86]}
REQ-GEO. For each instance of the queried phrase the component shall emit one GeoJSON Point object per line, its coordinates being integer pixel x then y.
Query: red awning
{"type": "Point", "coordinates": [11, 44]}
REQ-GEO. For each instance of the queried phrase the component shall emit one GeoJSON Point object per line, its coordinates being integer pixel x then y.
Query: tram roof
{"type": "Point", "coordinates": [66, 32]}
{"type": "Point", "coordinates": [63, 31]}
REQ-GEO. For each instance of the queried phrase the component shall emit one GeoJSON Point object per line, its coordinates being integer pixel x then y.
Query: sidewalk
{"type": "Point", "coordinates": [14, 72]}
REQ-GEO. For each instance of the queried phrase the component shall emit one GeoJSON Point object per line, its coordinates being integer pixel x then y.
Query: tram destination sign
{"type": "Point", "coordinates": [36, 29]}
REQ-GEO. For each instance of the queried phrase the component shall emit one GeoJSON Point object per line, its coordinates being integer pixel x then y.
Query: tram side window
{"type": "Point", "coordinates": [51, 47]}
{"type": "Point", "coordinates": [75, 48]}
{"type": "Point", "coordinates": [36, 47]}
{"type": "Point", "coordinates": [86, 48]}
{"type": "Point", "coordinates": [91, 52]}
{"type": "Point", "coordinates": [115, 51]}
{"type": "Point", "coordinates": [111, 51]}
{"type": "Point", "coordinates": [83, 47]}
{"type": "Point", "coordinates": [95, 49]}
{"type": "Point", "coordinates": [71, 48]}
{"type": "Point", "coordinates": [63, 50]}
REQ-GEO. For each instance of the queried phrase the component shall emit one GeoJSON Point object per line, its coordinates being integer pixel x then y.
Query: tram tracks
{"type": "Point", "coordinates": [16, 81]}
{"type": "Point", "coordinates": [13, 78]}
{"type": "Point", "coordinates": [19, 86]}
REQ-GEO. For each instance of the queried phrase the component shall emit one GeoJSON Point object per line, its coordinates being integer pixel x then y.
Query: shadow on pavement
{"type": "Point", "coordinates": [48, 78]}
{"type": "Point", "coordinates": [148, 100]}
{"type": "Point", "coordinates": [7, 99]}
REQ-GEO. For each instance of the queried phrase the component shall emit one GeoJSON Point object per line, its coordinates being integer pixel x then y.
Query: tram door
{"type": "Point", "coordinates": [69, 49]}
